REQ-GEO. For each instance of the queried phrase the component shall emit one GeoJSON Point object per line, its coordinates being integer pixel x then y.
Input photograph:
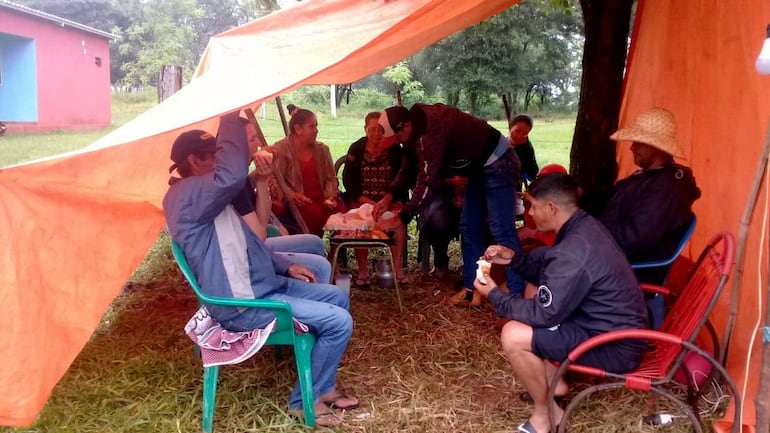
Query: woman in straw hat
{"type": "Point", "coordinates": [651, 209]}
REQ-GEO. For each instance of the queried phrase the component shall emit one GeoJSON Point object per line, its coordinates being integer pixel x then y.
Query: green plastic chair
{"type": "Point", "coordinates": [283, 334]}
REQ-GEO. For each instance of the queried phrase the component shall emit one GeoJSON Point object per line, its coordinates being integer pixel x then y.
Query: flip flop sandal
{"type": "Point", "coordinates": [334, 402]}
{"type": "Point", "coordinates": [323, 419]}
{"type": "Point", "coordinates": [404, 281]}
{"type": "Point", "coordinates": [526, 427]}
{"type": "Point", "coordinates": [361, 283]}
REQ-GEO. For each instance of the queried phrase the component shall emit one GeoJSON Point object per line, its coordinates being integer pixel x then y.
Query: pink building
{"type": "Point", "coordinates": [54, 73]}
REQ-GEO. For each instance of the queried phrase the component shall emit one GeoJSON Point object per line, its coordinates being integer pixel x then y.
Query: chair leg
{"type": "Point", "coordinates": [395, 281]}
{"type": "Point", "coordinates": [303, 346]}
{"type": "Point", "coordinates": [334, 251]}
{"type": "Point", "coordinates": [210, 376]}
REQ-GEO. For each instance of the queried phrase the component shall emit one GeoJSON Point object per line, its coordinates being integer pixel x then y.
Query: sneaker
{"type": "Point", "coordinates": [463, 298]}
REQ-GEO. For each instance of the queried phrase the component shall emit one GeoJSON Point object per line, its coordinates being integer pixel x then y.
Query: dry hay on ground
{"type": "Point", "coordinates": [433, 369]}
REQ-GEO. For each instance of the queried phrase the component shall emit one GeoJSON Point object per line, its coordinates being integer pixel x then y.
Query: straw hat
{"type": "Point", "coordinates": [655, 127]}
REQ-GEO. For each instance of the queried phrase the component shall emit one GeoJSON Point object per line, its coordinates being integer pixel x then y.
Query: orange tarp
{"type": "Point", "coordinates": [74, 227]}
{"type": "Point", "coordinates": [696, 58]}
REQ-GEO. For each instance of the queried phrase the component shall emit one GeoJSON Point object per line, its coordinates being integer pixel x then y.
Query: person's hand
{"type": "Point", "coordinates": [382, 206]}
{"type": "Point", "coordinates": [390, 224]}
{"type": "Point", "coordinates": [301, 273]}
{"type": "Point", "coordinates": [482, 288]}
{"type": "Point", "coordinates": [262, 164]}
{"type": "Point", "coordinates": [498, 254]}
{"type": "Point", "coordinates": [366, 200]}
{"type": "Point", "coordinates": [300, 199]}
{"type": "Point", "coordinates": [330, 203]}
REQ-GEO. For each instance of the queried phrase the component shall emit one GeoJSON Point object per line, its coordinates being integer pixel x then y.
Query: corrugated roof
{"type": "Point", "coordinates": [53, 18]}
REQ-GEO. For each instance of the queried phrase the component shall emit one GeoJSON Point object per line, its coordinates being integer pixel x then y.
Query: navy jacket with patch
{"type": "Point", "coordinates": [584, 278]}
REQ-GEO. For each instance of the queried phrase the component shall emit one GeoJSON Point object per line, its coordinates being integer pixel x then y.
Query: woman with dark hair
{"type": "Point", "coordinates": [307, 169]}
{"type": "Point", "coordinates": [370, 166]}
{"type": "Point", "coordinates": [520, 128]}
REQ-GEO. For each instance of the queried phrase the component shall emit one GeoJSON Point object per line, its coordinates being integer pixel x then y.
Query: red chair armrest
{"type": "Point", "coordinates": [653, 288]}
{"type": "Point", "coordinates": [625, 334]}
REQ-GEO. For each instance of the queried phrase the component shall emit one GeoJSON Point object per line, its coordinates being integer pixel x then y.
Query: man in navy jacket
{"type": "Point", "coordinates": [585, 287]}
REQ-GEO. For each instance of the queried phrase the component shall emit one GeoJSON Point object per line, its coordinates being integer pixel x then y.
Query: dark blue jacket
{"type": "Point", "coordinates": [650, 210]}
{"type": "Point", "coordinates": [583, 278]}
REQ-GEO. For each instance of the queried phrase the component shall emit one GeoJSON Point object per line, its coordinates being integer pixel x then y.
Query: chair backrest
{"type": "Point", "coordinates": [339, 163]}
{"type": "Point", "coordinates": [679, 248]}
{"type": "Point", "coordinates": [184, 266]}
{"type": "Point", "coordinates": [698, 295]}
{"type": "Point", "coordinates": [281, 309]}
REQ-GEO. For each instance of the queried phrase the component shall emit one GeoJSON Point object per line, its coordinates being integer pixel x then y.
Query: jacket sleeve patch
{"type": "Point", "coordinates": [544, 296]}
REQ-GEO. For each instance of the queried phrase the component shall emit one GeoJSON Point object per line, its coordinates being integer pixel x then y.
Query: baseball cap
{"type": "Point", "coordinates": [393, 119]}
{"type": "Point", "coordinates": [191, 142]}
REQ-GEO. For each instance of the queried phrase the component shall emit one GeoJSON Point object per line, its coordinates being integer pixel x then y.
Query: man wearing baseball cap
{"type": "Point", "coordinates": [230, 261]}
{"type": "Point", "coordinates": [650, 210]}
{"type": "Point", "coordinates": [450, 143]}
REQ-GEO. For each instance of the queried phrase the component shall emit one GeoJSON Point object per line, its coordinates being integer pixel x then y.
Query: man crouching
{"type": "Point", "coordinates": [585, 287]}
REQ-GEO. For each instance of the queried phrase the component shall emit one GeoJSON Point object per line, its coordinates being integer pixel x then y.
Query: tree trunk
{"type": "Point", "coordinates": [592, 158]}
{"type": "Point", "coordinates": [169, 81]}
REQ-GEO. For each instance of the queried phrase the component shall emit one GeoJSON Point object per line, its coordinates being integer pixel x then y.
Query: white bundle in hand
{"type": "Point", "coordinates": [482, 270]}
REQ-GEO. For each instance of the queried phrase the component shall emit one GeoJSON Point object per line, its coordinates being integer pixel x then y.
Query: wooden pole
{"type": "Point", "coordinates": [282, 115]}
{"type": "Point", "coordinates": [761, 402]}
{"type": "Point", "coordinates": [399, 100]}
{"type": "Point", "coordinates": [279, 179]}
{"type": "Point", "coordinates": [507, 110]}
{"type": "Point", "coordinates": [741, 248]}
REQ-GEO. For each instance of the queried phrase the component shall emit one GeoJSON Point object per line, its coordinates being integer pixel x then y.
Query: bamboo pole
{"type": "Point", "coordinates": [507, 107]}
{"type": "Point", "coordinates": [279, 179]}
{"type": "Point", "coordinates": [741, 248]}
{"type": "Point", "coordinates": [282, 115]}
{"type": "Point", "coordinates": [761, 402]}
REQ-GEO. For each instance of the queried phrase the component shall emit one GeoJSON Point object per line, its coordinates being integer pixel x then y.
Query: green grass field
{"type": "Point", "coordinates": [552, 138]}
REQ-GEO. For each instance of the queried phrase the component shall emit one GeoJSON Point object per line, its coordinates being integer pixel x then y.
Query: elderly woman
{"type": "Point", "coordinates": [371, 165]}
{"type": "Point", "coordinates": [306, 167]}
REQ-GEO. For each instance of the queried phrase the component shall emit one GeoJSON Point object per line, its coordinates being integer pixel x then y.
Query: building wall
{"type": "Point", "coordinates": [73, 92]}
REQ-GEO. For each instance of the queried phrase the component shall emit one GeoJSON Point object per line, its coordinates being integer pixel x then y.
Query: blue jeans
{"type": "Point", "coordinates": [310, 244]}
{"type": "Point", "coordinates": [489, 198]}
{"type": "Point", "coordinates": [306, 250]}
{"type": "Point", "coordinates": [323, 308]}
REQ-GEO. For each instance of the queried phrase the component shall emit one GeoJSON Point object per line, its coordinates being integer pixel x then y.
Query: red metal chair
{"type": "Point", "coordinates": [671, 343]}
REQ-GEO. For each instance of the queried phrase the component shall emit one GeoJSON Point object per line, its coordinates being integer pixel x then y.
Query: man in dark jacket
{"type": "Point", "coordinates": [650, 210]}
{"type": "Point", "coordinates": [450, 140]}
{"type": "Point", "coordinates": [585, 287]}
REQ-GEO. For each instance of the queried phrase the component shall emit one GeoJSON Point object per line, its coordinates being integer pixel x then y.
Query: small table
{"type": "Point", "coordinates": [337, 243]}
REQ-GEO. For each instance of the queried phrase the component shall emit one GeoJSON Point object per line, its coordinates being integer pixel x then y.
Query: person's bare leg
{"type": "Point", "coordinates": [562, 388]}
{"type": "Point", "coordinates": [530, 370]}
{"type": "Point", "coordinates": [362, 257]}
